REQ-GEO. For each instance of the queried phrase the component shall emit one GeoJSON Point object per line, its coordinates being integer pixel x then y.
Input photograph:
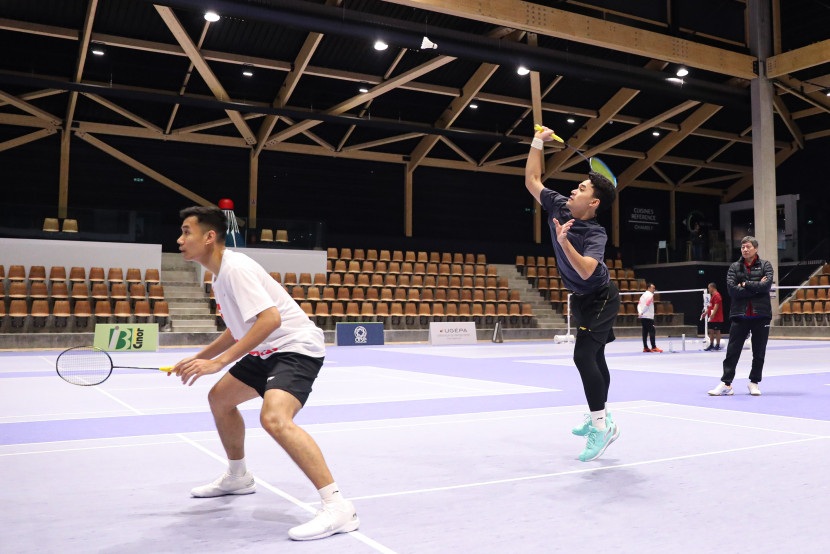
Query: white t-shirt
{"type": "Point", "coordinates": [243, 290]}
{"type": "Point", "coordinates": [646, 305]}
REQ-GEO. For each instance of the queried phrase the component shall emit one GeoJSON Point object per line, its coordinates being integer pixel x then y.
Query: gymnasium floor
{"type": "Point", "coordinates": [462, 449]}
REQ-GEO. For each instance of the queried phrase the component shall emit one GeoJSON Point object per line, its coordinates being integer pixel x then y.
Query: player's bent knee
{"type": "Point", "coordinates": [275, 424]}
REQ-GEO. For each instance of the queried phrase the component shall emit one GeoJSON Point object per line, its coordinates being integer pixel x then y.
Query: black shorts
{"type": "Point", "coordinates": [294, 373]}
{"type": "Point", "coordinates": [596, 312]}
{"type": "Point", "coordinates": [716, 325]}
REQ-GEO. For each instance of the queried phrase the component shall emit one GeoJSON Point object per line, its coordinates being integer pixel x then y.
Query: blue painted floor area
{"type": "Point", "coordinates": [442, 449]}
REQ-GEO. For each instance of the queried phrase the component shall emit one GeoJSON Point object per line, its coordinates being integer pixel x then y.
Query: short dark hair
{"type": "Point", "coordinates": [751, 240]}
{"type": "Point", "coordinates": [713, 285]}
{"type": "Point", "coordinates": [209, 218]}
{"type": "Point", "coordinates": [649, 284]}
{"type": "Point", "coordinates": [604, 190]}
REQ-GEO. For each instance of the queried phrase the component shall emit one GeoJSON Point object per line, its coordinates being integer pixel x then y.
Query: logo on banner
{"type": "Point", "coordinates": [125, 337]}
{"type": "Point", "coordinates": [360, 335]}
{"type": "Point", "coordinates": [459, 333]}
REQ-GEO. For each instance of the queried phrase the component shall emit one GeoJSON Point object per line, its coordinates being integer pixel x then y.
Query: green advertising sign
{"type": "Point", "coordinates": [121, 337]}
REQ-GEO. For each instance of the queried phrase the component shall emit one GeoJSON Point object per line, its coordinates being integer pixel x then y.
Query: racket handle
{"type": "Point", "coordinates": [538, 128]}
{"type": "Point", "coordinates": [167, 369]}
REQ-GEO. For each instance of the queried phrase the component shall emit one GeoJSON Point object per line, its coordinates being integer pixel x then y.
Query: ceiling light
{"type": "Point", "coordinates": [211, 16]}
{"type": "Point", "coordinates": [380, 45]}
{"type": "Point", "coordinates": [98, 52]}
{"type": "Point", "coordinates": [656, 133]}
{"type": "Point", "coordinates": [676, 80]}
{"type": "Point", "coordinates": [473, 106]}
{"type": "Point", "coordinates": [363, 90]}
{"type": "Point", "coordinates": [522, 70]}
{"type": "Point", "coordinates": [682, 72]}
{"type": "Point", "coordinates": [827, 92]}
{"type": "Point", "coordinates": [571, 120]}
{"type": "Point", "coordinates": [248, 73]}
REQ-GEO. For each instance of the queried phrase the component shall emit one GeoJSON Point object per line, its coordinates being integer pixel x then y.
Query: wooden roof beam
{"type": "Point", "coordinates": [665, 145]}
{"type": "Point", "coordinates": [798, 59]}
{"type": "Point", "coordinates": [138, 166]}
{"type": "Point", "coordinates": [537, 18]}
{"type": "Point", "coordinates": [123, 112]}
{"type": "Point", "coordinates": [79, 66]}
{"type": "Point", "coordinates": [184, 40]}
{"type": "Point", "coordinates": [354, 101]}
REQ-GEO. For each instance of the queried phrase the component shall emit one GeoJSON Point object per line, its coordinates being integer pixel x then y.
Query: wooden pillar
{"type": "Point", "coordinates": [253, 180]}
{"type": "Point", "coordinates": [407, 202]}
{"type": "Point", "coordinates": [673, 219]}
{"type": "Point", "coordinates": [63, 190]}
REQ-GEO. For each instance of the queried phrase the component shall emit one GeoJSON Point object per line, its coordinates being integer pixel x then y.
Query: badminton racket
{"type": "Point", "coordinates": [87, 366]}
{"type": "Point", "coordinates": [595, 163]}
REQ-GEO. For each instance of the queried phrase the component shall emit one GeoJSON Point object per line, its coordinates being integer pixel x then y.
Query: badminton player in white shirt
{"type": "Point", "coordinates": [278, 353]}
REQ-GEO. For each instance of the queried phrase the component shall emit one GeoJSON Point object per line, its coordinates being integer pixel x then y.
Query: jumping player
{"type": "Point", "coordinates": [579, 244]}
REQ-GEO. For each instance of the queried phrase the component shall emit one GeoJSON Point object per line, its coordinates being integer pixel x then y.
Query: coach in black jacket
{"type": "Point", "coordinates": [749, 281]}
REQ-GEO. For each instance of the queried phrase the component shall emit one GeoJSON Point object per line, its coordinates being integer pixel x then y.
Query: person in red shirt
{"type": "Point", "coordinates": [715, 312]}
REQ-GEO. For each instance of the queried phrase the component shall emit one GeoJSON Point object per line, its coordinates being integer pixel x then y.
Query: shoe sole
{"type": "Point", "coordinates": [604, 448]}
{"type": "Point", "coordinates": [246, 490]}
{"type": "Point", "coordinates": [730, 393]}
{"type": "Point", "coordinates": [352, 525]}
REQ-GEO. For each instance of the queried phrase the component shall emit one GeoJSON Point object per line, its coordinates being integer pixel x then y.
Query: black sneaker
{"type": "Point", "coordinates": [709, 348]}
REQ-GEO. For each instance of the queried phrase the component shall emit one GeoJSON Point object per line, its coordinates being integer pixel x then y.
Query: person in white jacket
{"type": "Point", "coordinates": [646, 310]}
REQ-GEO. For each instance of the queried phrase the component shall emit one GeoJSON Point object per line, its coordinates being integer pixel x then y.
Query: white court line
{"type": "Point", "coordinates": [307, 507]}
{"type": "Point", "coordinates": [579, 471]}
{"type": "Point", "coordinates": [693, 420]}
{"type": "Point", "coordinates": [258, 432]}
{"type": "Point", "coordinates": [279, 492]}
{"type": "Point", "coordinates": [437, 381]}
{"type": "Point", "coordinates": [726, 412]}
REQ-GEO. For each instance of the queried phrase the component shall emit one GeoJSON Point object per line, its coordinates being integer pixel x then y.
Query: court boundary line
{"type": "Point", "coordinates": [581, 471]}
{"type": "Point", "coordinates": [356, 535]}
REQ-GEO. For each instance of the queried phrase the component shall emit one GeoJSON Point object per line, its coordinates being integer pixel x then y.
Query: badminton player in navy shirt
{"type": "Point", "coordinates": [579, 244]}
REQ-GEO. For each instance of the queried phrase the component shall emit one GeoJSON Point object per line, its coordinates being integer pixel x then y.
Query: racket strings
{"type": "Point", "coordinates": [84, 366]}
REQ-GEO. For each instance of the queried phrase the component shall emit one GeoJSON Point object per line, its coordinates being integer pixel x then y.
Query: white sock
{"type": "Point", "coordinates": [598, 419]}
{"type": "Point", "coordinates": [237, 468]}
{"type": "Point", "coordinates": [330, 494]}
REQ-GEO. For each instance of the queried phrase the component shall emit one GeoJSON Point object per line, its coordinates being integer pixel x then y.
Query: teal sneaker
{"type": "Point", "coordinates": [583, 429]}
{"type": "Point", "coordinates": [598, 441]}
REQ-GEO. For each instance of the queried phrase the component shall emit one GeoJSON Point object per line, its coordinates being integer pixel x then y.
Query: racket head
{"type": "Point", "coordinates": [84, 366]}
{"type": "Point", "coordinates": [598, 166]}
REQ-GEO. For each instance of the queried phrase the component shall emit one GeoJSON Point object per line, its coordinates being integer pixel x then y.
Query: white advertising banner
{"type": "Point", "coordinates": [452, 333]}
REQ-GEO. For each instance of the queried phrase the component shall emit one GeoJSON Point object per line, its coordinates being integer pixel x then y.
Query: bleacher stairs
{"type": "Point", "coordinates": [187, 300]}
{"type": "Point", "coordinates": [545, 317]}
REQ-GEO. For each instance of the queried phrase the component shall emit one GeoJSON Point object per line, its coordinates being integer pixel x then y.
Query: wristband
{"type": "Point", "coordinates": [537, 143]}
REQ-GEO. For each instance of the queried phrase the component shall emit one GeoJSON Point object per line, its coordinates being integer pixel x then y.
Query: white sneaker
{"type": "Point", "coordinates": [339, 518]}
{"type": "Point", "coordinates": [227, 484]}
{"type": "Point", "coordinates": [722, 390]}
{"type": "Point", "coordinates": [753, 389]}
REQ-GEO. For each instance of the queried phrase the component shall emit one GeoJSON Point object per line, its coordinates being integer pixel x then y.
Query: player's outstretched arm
{"type": "Point", "coordinates": [533, 167]}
